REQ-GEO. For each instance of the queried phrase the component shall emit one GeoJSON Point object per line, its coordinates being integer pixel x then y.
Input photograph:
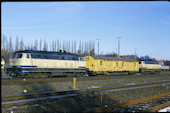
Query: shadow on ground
{"type": "Point", "coordinates": [82, 103]}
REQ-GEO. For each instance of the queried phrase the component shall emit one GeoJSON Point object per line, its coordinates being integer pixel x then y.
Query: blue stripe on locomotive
{"type": "Point", "coordinates": [28, 70]}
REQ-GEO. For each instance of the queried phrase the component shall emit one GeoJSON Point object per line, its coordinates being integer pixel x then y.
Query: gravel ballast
{"type": "Point", "coordinates": [81, 82]}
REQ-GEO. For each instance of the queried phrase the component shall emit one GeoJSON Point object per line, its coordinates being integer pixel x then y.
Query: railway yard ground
{"type": "Point", "coordinates": [117, 93]}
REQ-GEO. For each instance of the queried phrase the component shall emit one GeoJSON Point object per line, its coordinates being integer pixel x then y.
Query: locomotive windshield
{"type": "Point", "coordinates": [13, 56]}
{"type": "Point", "coordinates": [19, 56]}
{"type": "Point", "coordinates": [150, 62]}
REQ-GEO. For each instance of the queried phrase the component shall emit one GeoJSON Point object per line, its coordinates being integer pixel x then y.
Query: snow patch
{"type": "Point", "coordinates": [94, 87]}
{"type": "Point", "coordinates": [167, 109]}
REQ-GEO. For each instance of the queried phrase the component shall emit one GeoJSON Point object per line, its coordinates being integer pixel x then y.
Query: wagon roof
{"type": "Point", "coordinates": [115, 58]}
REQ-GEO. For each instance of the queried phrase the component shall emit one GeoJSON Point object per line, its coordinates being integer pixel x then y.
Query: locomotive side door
{"type": "Point", "coordinates": [82, 63]}
{"type": "Point", "coordinates": [28, 61]}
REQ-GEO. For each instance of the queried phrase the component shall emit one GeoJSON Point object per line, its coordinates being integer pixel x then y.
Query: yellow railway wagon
{"type": "Point", "coordinates": [105, 65]}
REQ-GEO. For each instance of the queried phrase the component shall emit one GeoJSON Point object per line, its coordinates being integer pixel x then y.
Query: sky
{"type": "Point", "coordinates": [144, 25]}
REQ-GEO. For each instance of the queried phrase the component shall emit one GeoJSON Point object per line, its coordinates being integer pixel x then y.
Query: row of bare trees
{"type": "Point", "coordinates": [10, 45]}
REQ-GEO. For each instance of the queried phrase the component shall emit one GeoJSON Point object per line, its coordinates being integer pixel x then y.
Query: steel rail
{"type": "Point", "coordinates": [157, 108]}
{"type": "Point", "coordinates": [111, 107]}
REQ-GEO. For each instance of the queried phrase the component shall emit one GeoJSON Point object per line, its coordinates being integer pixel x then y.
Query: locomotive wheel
{"type": "Point", "coordinates": [49, 75]}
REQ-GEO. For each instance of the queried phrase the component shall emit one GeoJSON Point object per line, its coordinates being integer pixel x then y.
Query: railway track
{"type": "Point", "coordinates": [127, 106]}
{"type": "Point", "coordinates": [36, 97]}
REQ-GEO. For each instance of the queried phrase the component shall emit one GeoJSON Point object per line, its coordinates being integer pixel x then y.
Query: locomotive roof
{"type": "Point", "coordinates": [45, 52]}
{"type": "Point", "coordinates": [115, 58]}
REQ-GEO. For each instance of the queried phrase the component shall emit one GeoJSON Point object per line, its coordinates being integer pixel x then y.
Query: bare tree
{"type": "Point", "coordinates": [10, 45]}
{"type": "Point", "coordinates": [60, 45]}
{"type": "Point", "coordinates": [63, 45]}
{"type": "Point", "coordinates": [75, 46]}
{"type": "Point", "coordinates": [72, 47]}
{"type": "Point", "coordinates": [16, 44]}
{"type": "Point", "coordinates": [21, 44]}
{"type": "Point", "coordinates": [79, 50]}
{"type": "Point", "coordinates": [55, 46]}
{"type": "Point", "coordinates": [32, 48]}
{"type": "Point", "coordinates": [25, 47]}
{"type": "Point", "coordinates": [45, 46]}
{"type": "Point", "coordinates": [6, 44]}
{"type": "Point", "coordinates": [67, 46]}
{"type": "Point", "coordinates": [82, 48]}
{"type": "Point", "coordinates": [36, 45]}
{"type": "Point", "coordinates": [40, 44]}
{"type": "Point", "coordinates": [3, 42]}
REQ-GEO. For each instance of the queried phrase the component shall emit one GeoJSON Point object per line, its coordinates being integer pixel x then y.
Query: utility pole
{"type": "Point", "coordinates": [98, 45]}
{"type": "Point", "coordinates": [135, 52]}
{"type": "Point", "coordinates": [116, 51]}
{"type": "Point", "coordinates": [118, 45]}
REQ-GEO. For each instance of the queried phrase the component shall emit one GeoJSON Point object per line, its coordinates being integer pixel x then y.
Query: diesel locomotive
{"type": "Point", "coordinates": [31, 63]}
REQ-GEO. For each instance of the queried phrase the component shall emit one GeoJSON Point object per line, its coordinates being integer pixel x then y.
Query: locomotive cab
{"type": "Point", "coordinates": [149, 67]}
{"type": "Point", "coordinates": [17, 62]}
{"type": "Point", "coordinates": [20, 59]}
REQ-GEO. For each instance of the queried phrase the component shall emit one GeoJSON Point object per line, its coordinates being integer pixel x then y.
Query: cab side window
{"type": "Point", "coordinates": [28, 56]}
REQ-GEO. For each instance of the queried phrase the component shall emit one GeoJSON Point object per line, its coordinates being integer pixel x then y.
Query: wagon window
{"type": "Point", "coordinates": [100, 62]}
{"type": "Point", "coordinates": [122, 64]}
{"type": "Point", "coordinates": [116, 63]}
